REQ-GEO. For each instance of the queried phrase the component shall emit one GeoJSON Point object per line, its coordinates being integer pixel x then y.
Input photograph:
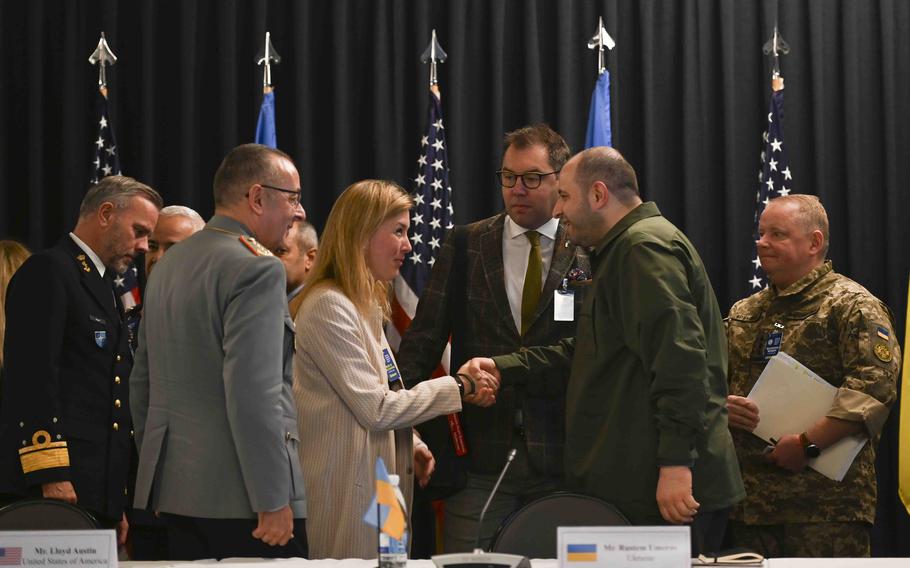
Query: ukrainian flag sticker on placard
{"type": "Point", "coordinates": [581, 553]}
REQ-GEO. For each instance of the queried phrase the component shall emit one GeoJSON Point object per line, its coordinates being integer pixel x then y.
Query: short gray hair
{"type": "Point", "coordinates": [119, 190]}
{"type": "Point", "coordinates": [810, 212]}
{"type": "Point", "coordinates": [244, 166]}
{"type": "Point", "coordinates": [196, 219]}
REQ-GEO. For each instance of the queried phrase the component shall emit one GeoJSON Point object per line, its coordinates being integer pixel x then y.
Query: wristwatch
{"type": "Point", "coordinates": [811, 450]}
{"type": "Point", "coordinates": [460, 384]}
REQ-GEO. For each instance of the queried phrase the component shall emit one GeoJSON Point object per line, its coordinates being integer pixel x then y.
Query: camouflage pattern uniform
{"type": "Point", "coordinates": [838, 329]}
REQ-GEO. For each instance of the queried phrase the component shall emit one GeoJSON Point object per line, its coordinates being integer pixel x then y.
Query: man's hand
{"type": "Point", "coordinates": [789, 454]}
{"type": "Point", "coordinates": [123, 529]}
{"type": "Point", "coordinates": [275, 528]}
{"type": "Point", "coordinates": [742, 413]}
{"type": "Point", "coordinates": [424, 464]}
{"type": "Point", "coordinates": [674, 494]}
{"type": "Point", "coordinates": [484, 372]}
{"type": "Point", "coordinates": [60, 490]}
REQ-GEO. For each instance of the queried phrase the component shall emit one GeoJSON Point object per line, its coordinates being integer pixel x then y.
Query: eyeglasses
{"type": "Point", "coordinates": [531, 180]}
{"type": "Point", "coordinates": [294, 200]}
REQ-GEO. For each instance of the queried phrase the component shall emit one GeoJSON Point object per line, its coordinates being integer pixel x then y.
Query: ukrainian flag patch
{"type": "Point", "coordinates": [581, 553]}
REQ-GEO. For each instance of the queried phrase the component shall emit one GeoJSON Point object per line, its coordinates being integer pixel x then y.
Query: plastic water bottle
{"type": "Point", "coordinates": [393, 553]}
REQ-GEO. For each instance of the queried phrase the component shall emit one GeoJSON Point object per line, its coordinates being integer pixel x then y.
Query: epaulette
{"type": "Point", "coordinates": [254, 246]}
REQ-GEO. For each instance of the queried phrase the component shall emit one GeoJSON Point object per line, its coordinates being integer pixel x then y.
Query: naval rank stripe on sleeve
{"type": "Point", "coordinates": [35, 458]}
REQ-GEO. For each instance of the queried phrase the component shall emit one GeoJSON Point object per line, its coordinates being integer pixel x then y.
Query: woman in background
{"type": "Point", "coordinates": [12, 255]}
{"type": "Point", "coordinates": [352, 406]}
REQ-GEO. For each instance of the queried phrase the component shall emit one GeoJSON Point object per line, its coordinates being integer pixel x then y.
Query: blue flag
{"type": "Point", "coordinates": [265, 127]}
{"type": "Point", "coordinates": [600, 131]}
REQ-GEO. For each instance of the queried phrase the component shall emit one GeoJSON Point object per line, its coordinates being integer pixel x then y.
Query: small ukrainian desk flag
{"type": "Point", "coordinates": [581, 553]}
{"type": "Point", "coordinates": [385, 512]}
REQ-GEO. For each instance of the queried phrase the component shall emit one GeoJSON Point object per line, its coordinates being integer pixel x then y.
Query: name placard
{"type": "Point", "coordinates": [73, 549]}
{"type": "Point", "coordinates": [639, 547]}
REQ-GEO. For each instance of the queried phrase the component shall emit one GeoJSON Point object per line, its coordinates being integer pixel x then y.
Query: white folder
{"type": "Point", "coordinates": [791, 398]}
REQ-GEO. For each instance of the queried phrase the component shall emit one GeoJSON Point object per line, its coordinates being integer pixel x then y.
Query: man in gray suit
{"type": "Point", "coordinates": [214, 415]}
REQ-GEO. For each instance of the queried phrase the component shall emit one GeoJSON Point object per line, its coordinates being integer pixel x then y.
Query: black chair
{"type": "Point", "coordinates": [531, 530]}
{"type": "Point", "coordinates": [45, 514]}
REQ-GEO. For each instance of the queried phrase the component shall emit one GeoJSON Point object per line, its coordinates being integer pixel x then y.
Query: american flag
{"type": "Point", "coordinates": [11, 556]}
{"type": "Point", "coordinates": [106, 163]}
{"type": "Point", "coordinates": [775, 179]}
{"type": "Point", "coordinates": [430, 218]}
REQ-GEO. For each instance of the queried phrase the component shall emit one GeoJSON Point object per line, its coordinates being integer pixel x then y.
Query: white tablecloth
{"type": "Point", "coordinates": [358, 563]}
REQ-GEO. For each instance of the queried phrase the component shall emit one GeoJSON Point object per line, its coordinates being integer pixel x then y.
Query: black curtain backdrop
{"type": "Point", "coordinates": [690, 97]}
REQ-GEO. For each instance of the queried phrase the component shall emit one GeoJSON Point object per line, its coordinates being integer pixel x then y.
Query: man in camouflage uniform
{"type": "Point", "coordinates": [838, 329]}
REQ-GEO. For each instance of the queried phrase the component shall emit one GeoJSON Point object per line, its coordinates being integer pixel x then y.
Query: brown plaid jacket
{"type": "Point", "coordinates": [490, 330]}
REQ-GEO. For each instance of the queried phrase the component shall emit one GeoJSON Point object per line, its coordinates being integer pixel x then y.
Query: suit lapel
{"type": "Point", "coordinates": [563, 257]}
{"type": "Point", "coordinates": [492, 262]}
{"type": "Point", "coordinates": [100, 290]}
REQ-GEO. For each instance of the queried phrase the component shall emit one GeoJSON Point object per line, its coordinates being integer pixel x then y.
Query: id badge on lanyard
{"type": "Point", "coordinates": [774, 340]}
{"type": "Point", "coordinates": [391, 370]}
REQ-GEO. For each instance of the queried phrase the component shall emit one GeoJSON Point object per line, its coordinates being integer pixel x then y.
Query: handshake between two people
{"type": "Point", "coordinates": [480, 379]}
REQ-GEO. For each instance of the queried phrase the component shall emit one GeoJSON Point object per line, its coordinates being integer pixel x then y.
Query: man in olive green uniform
{"type": "Point", "coordinates": [838, 329]}
{"type": "Point", "coordinates": [646, 424]}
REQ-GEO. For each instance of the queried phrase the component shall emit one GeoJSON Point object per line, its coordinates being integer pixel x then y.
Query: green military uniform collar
{"type": "Point", "coordinates": [804, 282]}
{"type": "Point", "coordinates": [643, 211]}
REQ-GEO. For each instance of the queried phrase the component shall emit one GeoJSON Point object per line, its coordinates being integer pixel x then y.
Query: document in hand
{"type": "Point", "coordinates": [790, 399]}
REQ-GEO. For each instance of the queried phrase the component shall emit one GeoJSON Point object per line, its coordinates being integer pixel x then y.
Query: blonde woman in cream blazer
{"type": "Point", "coordinates": [351, 404]}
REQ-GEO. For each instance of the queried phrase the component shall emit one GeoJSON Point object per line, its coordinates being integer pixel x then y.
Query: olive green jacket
{"type": "Point", "coordinates": [648, 373]}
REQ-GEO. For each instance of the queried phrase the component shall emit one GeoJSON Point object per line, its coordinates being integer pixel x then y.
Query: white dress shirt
{"type": "Point", "coordinates": [515, 249]}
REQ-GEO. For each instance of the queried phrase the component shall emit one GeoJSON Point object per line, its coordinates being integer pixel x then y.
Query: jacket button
{"type": "Point", "coordinates": [119, 357]}
{"type": "Point", "coordinates": [117, 380]}
{"type": "Point", "coordinates": [116, 426]}
{"type": "Point", "coordinates": [287, 436]}
{"type": "Point", "coordinates": [117, 403]}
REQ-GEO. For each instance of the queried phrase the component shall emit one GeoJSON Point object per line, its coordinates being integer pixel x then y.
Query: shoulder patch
{"type": "Point", "coordinates": [254, 246]}
{"type": "Point", "coordinates": [882, 353]}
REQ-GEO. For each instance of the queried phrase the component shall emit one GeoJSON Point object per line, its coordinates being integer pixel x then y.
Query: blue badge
{"type": "Point", "coordinates": [772, 344]}
{"type": "Point", "coordinates": [390, 369]}
{"type": "Point", "coordinates": [101, 338]}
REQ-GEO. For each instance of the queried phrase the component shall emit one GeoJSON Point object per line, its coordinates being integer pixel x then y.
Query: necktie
{"type": "Point", "coordinates": [530, 293]}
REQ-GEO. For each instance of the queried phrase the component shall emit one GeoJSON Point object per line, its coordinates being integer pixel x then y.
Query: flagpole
{"type": "Point", "coordinates": [600, 40]}
{"type": "Point", "coordinates": [775, 177]}
{"type": "Point", "coordinates": [600, 129]}
{"type": "Point", "coordinates": [775, 47]}
{"type": "Point", "coordinates": [265, 125]}
{"type": "Point", "coordinates": [102, 57]}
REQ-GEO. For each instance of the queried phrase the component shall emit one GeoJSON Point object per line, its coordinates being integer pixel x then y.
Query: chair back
{"type": "Point", "coordinates": [531, 530]}
{"type": "Point", "coordinates": [45, 514]}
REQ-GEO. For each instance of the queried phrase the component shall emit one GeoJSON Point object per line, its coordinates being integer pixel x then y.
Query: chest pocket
{"type": "Point", "coordinates": [586, 338]}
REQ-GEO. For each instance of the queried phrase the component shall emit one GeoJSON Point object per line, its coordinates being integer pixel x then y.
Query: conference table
{"type": "Point", "coordinates": [535, 563]}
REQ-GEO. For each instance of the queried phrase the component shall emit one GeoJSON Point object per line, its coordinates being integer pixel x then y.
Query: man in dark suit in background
{"type": "Point", "coordinates": [65, 424]}
{"type": "Point", "coordinates": [516, 262]}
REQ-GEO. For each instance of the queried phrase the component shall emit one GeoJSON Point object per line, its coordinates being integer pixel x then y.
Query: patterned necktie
{"type": "Point", "coordinates": [530, 293]}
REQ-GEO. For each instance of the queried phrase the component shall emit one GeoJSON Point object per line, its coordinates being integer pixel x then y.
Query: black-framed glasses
{"type": "Point", "coordinates": [530, 180]}
{"type": "Point", "coordinates": [294, 200]}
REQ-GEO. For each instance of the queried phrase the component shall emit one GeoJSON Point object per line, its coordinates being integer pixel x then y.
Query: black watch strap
{"type": "Point", "coordinates": [811, 450]}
